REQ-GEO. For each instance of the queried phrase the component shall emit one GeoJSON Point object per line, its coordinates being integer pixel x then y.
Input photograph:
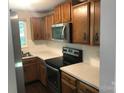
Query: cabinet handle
{"type": "Point", "coordinates": [85, 36]}
{"type": "Point", "coordinates": [88, 91]}
{"type": "Point", "coordinates": [82, 91]}
{"type": "Point", "coordinates": [37, 36]}
{"type": "Point", "coordinates": [96, 37]}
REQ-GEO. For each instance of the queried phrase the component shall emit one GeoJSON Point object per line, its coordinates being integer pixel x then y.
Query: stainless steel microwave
{"type": "Point", "coordinates": [62, 32]}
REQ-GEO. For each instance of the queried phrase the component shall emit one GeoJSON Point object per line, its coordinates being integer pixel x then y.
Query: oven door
{"type": "Point", "coordinates": [53, 78]}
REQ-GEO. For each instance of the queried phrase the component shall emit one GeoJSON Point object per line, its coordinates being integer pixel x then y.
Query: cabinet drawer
{"type": "Point", "coordinates": [83, 88]}
{"type": "Point", "coordinates": [69, 79]}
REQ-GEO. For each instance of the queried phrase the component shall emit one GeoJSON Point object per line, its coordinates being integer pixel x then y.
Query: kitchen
{"type": "Point", "coordinates": [75, 52]}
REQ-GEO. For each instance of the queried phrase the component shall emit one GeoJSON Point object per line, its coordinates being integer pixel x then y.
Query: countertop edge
{"type": "Point", "coordinates": [80, 79]}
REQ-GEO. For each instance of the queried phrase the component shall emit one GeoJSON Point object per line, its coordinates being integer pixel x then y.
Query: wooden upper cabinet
{"type": "Point", "coordinates": [95, 22]}
{"type": "Point", "coordinates": [81, 30]}
{"type": "Point", "coordinates": [57, 14]}
{"type": "Point", "coordinates": [37, 28]}
{"type": "Point", "coordinates": [62, 13]}
{"type": "Point", "coordinates": [49, 22]}
{"type": "Point", "coordinates": [66, 12]}
{"type": "Point", "coordinates": [43, 28]}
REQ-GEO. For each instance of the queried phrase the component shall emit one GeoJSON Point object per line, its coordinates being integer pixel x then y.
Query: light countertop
{"type": "Point", "coordinates": [46, 54]}
{"type": "Point", "coordinates": [28, 57]}
{"type": "Point", "coordinates": [84, 72]}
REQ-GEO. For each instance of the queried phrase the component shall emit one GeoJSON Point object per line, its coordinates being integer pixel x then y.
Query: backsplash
{"type": "Point", "coordinates": [91, 54]}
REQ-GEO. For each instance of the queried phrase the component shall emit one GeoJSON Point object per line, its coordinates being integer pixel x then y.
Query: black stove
{"type": "Point", "coordinates": [70, 56]}
{"type": "Point", "coordinates": [55, 62]}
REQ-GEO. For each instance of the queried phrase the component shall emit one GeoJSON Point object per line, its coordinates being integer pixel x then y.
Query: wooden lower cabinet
{"type": "Point", "coordinates": [68, 84]}
{"type": "Point", "coordinates": [67, 87]}
{"type": "Point", "coordinates": [34, 69]}
{"type": "Point", "coordinates": [30, 72]}
{"type": "Point", "coordinates": [30, 69]}
{"type": "Point", "coordinates": [84, 88]}
{"type": "Point", "coordinates": [73, 85]}
{"type": "Point", "coordinates": [42, 74]}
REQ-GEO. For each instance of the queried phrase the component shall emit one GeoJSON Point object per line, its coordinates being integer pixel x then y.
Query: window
{"type": "Point", "coordinates": [22, 30]}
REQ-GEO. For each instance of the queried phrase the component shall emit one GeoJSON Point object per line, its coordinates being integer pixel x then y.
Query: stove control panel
{"type": "Point", "coordinates": [72, 51]}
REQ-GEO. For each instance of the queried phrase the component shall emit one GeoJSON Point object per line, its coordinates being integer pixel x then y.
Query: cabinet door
{"type": "Point", "coordinates": [81, 23]}
{"type": "Point", "coordinates": [30, 72]}
{"type": "Point", "coordinates": [57, 15]}
{"type": "Point", "coordinates": [95, 22]}
{"type": "Point", "coordinates": [68, 84]}
{"type": "Point", "coordinates": [36, 28]}
{"type": "Point", "coordinates": [68, 88]}
{"type": "Point", "coordinates": [43, 29]}
{"type": "Point", "coordinates": [42, 74]}
{"type": "Point", "coordinates": [66, 12]}
{"type": "Point", "coordinates": [83, 88]}
{"type": "Point", "coordinates": [49, 22]}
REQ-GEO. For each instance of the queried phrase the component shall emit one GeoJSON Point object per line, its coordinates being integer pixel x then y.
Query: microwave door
{"type": "Point", "coordinates": [57, 32]}
{"type": "Point", "coordinates": [62, 34]}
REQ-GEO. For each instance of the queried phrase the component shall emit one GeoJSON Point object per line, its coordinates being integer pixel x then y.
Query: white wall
{"type": "Point", "coordinates": [108, 44]}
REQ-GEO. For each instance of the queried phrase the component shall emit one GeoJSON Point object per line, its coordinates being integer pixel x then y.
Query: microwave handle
{"type": "Point", "coordinates": [63, 31]}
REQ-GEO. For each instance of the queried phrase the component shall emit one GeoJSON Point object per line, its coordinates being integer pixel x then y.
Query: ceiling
{"type": "Point", "coordinates": [34, 5]}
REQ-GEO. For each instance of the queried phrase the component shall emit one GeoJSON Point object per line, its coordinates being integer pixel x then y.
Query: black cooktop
{"type": "Point", "coordinates": [56, 62]}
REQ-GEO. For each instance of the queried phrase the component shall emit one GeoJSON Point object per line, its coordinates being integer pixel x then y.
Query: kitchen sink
{"type": "Point", "coordinates": [27, 54]}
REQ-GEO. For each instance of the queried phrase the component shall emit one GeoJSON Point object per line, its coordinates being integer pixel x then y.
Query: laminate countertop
{"type": "Point", "coordinates": [86, 73]}
{"type": "Point", "coordinates": [46, 54]}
